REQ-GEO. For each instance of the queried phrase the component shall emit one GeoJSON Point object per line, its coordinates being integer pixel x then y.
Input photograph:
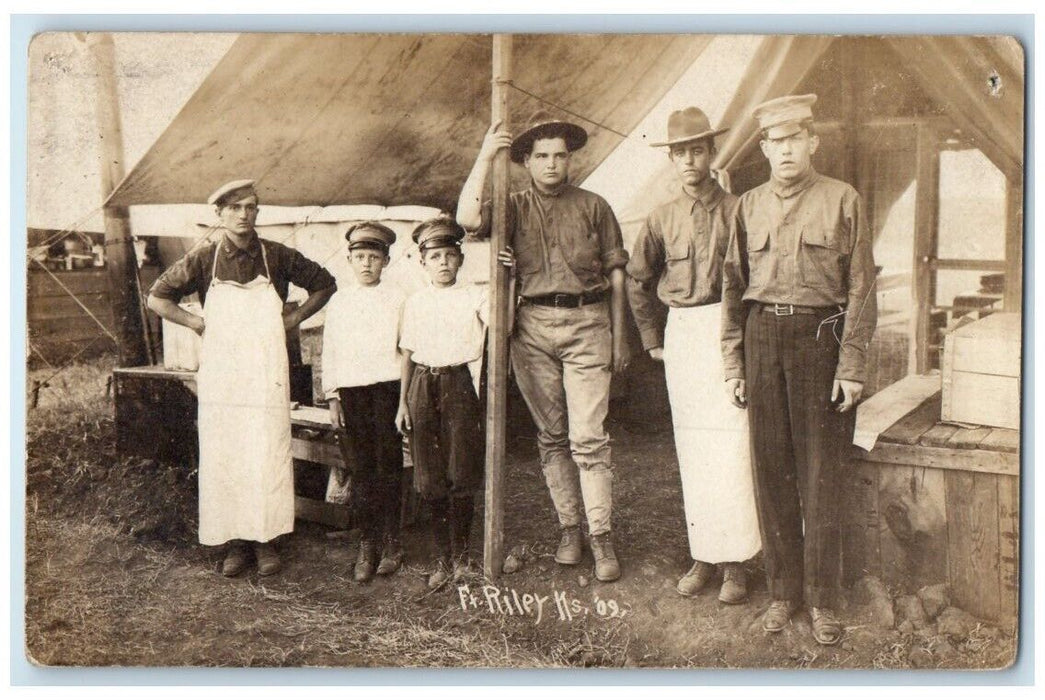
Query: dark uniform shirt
{"type": "Point", "coordinates": [193, 272]}
{"type": "Point", "coordinates": [677, 259]}
{"type": "Point", "coordinates": [805, 244]}
{"type": "Point", "coordinates": [564, 243]}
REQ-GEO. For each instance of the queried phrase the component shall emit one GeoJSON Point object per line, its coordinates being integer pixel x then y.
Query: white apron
{"type": "Point", "coordinates": [711, 439]}
{"type": "Point", "coordinates": [246, 474]}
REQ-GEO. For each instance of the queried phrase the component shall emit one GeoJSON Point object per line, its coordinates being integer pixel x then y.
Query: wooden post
{"type": "Point", "coordinates": [1013, 299]}
{"type": "Point", "coordinates": [926, 234]}
{"type": "Point", "coordinates": [119, 248]}
{"type": "Point", "coordinates": [497, 356]}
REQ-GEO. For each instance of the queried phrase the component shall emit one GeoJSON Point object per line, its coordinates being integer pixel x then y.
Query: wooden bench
{"type": "Point", "coordinates": [933, 502]}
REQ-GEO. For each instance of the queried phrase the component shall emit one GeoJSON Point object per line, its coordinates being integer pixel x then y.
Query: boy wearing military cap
{"type": "Point", "coordinates": [246, 480]}
{"type": "Point", "coordinates": [570, 326]}
{"type": "Point", "coordinates": [444, 328]}
{"type": "Point", "coordinates": [677, 263]}
{"type": "Point", "coordinates": [799, 311]}
{"type": "Point", "coordinates": [361, 369]}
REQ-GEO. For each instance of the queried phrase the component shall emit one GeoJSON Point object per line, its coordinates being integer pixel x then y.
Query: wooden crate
{"type": "Point", "coordinates": [981, 372]}
{"type": "Point", "coordinates": [935, 503]}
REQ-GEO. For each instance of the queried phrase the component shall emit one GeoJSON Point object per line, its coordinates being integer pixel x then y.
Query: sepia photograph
{"type": "Point", "coordinates": [524, 351]}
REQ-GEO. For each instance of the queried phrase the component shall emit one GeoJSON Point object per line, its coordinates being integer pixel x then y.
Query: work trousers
{"type": "Point", "coordinates": [561, 358]}
{"type": "Point", "coordinates": [798, 443]}
{"type": "Point", "coordinates": [447, 442]}
{"type": "Point", "coordinates": [368, 413]}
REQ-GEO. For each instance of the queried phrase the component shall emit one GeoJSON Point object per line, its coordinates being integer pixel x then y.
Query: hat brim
{"type": "Point", "coordinates": [522, 144]}
{"type": "Point", "coordinates": [782, 131]}
{"type": "Point", "coordinates": [686, 139]}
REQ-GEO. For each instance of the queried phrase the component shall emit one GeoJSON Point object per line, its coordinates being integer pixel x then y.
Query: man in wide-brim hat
{"type": "Point", "coordinates": [677, 263]}
{"type": "Point", "coordinates": [570, 325]}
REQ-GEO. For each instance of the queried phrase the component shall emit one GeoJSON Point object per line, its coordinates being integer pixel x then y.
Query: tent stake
{"type": "Point", "coordinates": [497, 358]}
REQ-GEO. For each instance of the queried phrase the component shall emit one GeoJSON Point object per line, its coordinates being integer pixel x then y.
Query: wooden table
{"type": "Point", "coordinates": [932, 503]}
{"type": "Point", "coordinates": [156, 412]}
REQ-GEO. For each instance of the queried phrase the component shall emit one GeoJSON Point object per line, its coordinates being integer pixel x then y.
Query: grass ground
{"type": "Point", "coordinates": [114, 576]}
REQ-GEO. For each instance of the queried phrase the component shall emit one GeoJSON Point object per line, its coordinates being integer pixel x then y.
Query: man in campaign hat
{"type": "Point", "coordinates": [570, 332]}
{"type": "Point", "coordinates": [799, 312]}
{"type": "Point", "coordinates": [677, 263]}
{"type": "Point", "coordinates": [246, 479]}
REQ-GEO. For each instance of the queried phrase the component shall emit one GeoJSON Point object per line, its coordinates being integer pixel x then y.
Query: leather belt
{"type": "Point", "coordinates": [567, 301]}
{"type": "Point", "coordinates": [791, 309]}
{"type": "Point", "coordinates": [436, 371]}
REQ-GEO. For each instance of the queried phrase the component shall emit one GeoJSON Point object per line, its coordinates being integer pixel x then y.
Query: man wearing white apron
{"type": "Point", "coordinates": [677, 262]}
{"type": "Point", "coordinates": [246, 476]}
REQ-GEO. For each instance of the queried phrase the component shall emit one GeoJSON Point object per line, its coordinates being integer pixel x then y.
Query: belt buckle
{"type": "Point", "coordinates": [783, 309]}
{"type": "Point", "coordinates": [561, 300]}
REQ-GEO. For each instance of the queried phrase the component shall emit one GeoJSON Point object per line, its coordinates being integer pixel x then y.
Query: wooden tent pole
{"type": "Point", "coordinates": [1013, 299]}
{"type": "Point", "coordinates": [497, 355]}
{"type": "Point", "coordinates": [121, 263]}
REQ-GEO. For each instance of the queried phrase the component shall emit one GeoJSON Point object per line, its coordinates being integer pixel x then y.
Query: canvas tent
{"type": "Point", "coordinates": [390, 119]}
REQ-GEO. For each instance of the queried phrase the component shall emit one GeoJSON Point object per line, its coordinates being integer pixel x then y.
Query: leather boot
{"type": "Point", "coordinates": [268, 559]}
{"type": "Point", "coordinates": [734, 584]}
{"type": "Point", "coordinates": [570, 550]}
{"type": "Point", "coordinates": [607, 568]}
{"type": "Point", "coordinates": [439, 573]}
{"type": "Point", "coordinates": [391, 557]}
{"type": "Point", "coordinates": [365, 562]}
{"type": "Point", "coordinates": [237, 558]}
{"type": "Point", "coordinates": [695, 579]}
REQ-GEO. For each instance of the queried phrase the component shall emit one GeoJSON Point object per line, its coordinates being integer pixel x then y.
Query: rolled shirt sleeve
{"type": "Point", "coordinates": [306, 273]}
{"type": "Point", "coordinates": [611, 241]}
{"type": "Point", "coordinates": [184, 277]}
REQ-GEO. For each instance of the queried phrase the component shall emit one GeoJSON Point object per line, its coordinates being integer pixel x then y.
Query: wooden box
{"type": "Point", "coordinates": [981, 372]}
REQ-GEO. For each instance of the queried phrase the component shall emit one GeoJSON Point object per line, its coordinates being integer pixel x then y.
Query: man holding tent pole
{"type": "Point", "coordinates": [799, 309]}
{"type": "Point", "coordinates": [569, 324]}
{"type": "Point", "coordinates": [677, 262]}
{"type": "Point", "coordinates": [246, 477]}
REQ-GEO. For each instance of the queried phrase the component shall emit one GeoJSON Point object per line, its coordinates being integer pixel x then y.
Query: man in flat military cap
{"type": "Point", "coordinates": [799, 311]}
{"type": "Point", "coordinates": [570, 332]}
{"type": "Point", "coordinates": [361, 369]}
{"type": "Point", "coordinates": [245, 474]}
{"type": "Point", "coordinates": [677, 263]}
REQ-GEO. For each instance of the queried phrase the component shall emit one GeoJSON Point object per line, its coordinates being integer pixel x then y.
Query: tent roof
{"type": "Point", "coordinates": [390, 119]}
{"type": "Point", "coordinates": [954, 71]}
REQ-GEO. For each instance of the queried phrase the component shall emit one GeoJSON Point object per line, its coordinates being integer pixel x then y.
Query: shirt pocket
{"type": "Point", "coordinates": [678, 269]}
{"type": "Point", "coordinates": [761, 264]}
{"type": "Point", "coordinates": [823, 258]}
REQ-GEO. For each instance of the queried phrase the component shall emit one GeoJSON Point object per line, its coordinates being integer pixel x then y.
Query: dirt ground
{"type": "Point", "coordinates": [114, 576]}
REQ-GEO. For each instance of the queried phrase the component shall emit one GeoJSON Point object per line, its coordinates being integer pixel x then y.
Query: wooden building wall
{"type": "Point", "coordinates": [58, 326]}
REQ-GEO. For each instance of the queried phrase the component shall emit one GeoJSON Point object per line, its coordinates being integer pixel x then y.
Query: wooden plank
{"type": "Point", "coordinates": [909, 429]}
{"type": "Point", "coordinates": [1002, 440]}
{"type": "Point", "coordinates": [967, 438]}
{"type": "Point", "coordinates": [946, 458]}
{"type": "Point", "coordinates": [926, 227]}
{"type": "Point", "coordinates": [315, 451]}
{"type": "Point", "coordinates": [83, 324]}
{"type": "Point", "coordinates": [1013, 300]}
{"type": "Point", "coordinates": [860, 547]}
{"type": "Point", "coordinates": [888, 406]}
{"type": "Point", "coordinates": [310, 417]}
{"type": "Point", "coordinates": [333, 514]}
{"type": "Point", "coordinates": [938, 435]}
{"type": "Point", "coordinates": [913, 526]}
{"type": "Point", "coordinates": [1009, 546]}
{"type": "Point", "coordinates": [63, 304]}
{"type": "Point", "coordinates": [42, 284]}
{"type": "Point", "coordinates": [972, 543]}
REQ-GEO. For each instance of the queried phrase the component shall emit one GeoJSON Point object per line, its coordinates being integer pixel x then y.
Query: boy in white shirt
{"type": "Point", "coordinates": [361, 369]}
{"type": "Point", "coordinates": [444, 327]}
